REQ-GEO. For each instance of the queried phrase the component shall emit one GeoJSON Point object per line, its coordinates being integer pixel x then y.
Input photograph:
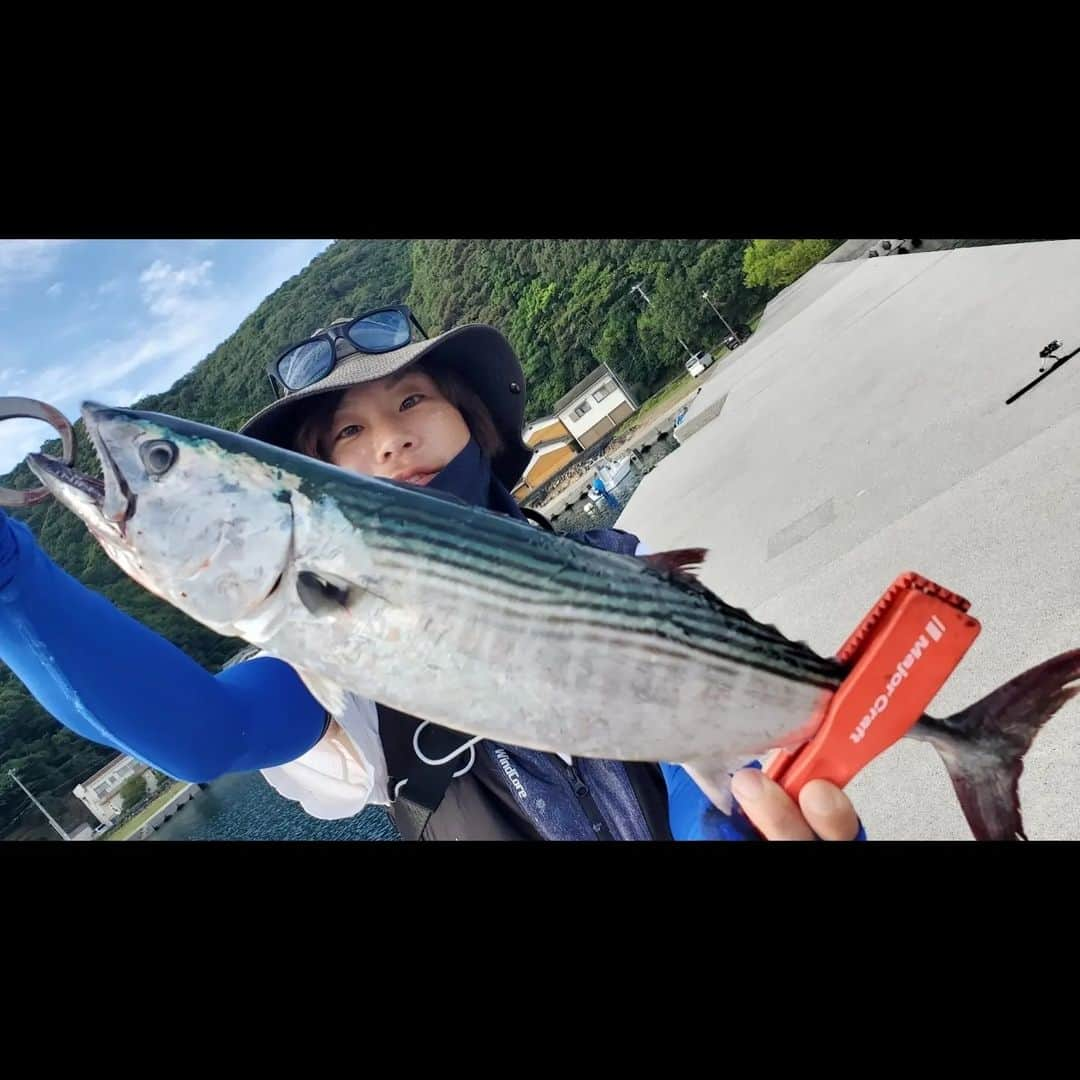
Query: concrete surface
{"type": "Point", "coordinates": [865, 434]}
{"type": "Point", "coordinates": [163, 813]}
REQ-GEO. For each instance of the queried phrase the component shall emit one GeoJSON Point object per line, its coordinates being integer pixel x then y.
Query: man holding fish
{"type": "Point", "coordinates": [422, 644]}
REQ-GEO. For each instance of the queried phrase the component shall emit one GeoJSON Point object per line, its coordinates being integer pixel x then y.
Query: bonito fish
{"type": "Point", "coordinates": [484, 624]}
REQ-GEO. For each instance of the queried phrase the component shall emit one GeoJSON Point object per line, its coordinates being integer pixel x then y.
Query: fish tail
{"type": "Point", "coordinates": [983, 746]}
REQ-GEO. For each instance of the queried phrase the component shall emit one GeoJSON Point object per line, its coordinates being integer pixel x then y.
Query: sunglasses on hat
{"type": "Point", "coordinates": [377, 331]}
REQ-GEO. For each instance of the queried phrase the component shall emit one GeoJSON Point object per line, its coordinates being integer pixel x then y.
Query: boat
{"type": "Point", "coordinates": [610, 474]}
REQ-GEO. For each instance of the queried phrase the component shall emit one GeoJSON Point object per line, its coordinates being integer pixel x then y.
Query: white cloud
{"type": "Point", "coordinates": [28, 260]}
{"type": "Point", "coordinates": [189, 322]}
{"type": "Point", "coordinates": [6, 376]}
{"type": "Point", "coordinates": [164, 290]}
{"type": "Point", "coordinates": [189, 317]}
{"type": "Point", "coordinates": [19, 437]}
{"type": "Point", "coordinates": [110, 286]}
{"type": "Point", "coordinates": [55, 289]}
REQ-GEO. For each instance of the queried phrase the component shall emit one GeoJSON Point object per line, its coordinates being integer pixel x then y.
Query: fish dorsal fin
{"type": "Point", "coordinates": [677, 563]}
{"type": "Point", "coordinates": [673, 565]}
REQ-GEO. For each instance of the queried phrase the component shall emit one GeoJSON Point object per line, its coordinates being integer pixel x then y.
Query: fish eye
{"type": "Point", "coordinates": [158, 456]}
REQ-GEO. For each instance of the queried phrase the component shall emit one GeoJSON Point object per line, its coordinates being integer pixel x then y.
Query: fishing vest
{"type": "Point", "coordinates": [444, 786]}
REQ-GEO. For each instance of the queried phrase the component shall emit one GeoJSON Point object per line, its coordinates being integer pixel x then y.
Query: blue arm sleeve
{"type": "Point", "coordinates": [112, 680]}
{"type": "Point", "coordinates": [693, 817]}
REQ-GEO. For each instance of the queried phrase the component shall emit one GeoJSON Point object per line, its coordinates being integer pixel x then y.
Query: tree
{"type": "Point", "coordinates": [780, 262]}
{"type": "Point", "coordinates": [133, 790]}
{"type": "Point", "coordinates": [719, 271]}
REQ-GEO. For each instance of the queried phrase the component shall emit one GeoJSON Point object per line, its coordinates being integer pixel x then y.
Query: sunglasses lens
{"type": "Point", "coordinates": [380, 332]}
{"type": "Point", "coordinates": [306, 364]}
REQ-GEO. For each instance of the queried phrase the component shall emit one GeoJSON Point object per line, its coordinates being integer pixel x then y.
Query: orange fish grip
{"type": "Point", "coordinates": [901, 655]}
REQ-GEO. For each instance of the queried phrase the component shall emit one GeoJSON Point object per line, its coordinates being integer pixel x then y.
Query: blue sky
{"type": "Point", "coordinates": [113, 320]}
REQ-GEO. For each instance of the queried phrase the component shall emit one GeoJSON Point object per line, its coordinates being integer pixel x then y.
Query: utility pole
{"type": "Point", "coordinates": [638, 288]}
{"type": "Point", "coordinates": [705, 297]}
{"type": "Point", "coordinates": [52, 822]}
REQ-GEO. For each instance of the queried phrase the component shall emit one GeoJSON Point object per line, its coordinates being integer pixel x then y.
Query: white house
{"type": "Point", "coordinates": [598, 404]}
{"type": "Point", "coordinates": [595, 406]}
{"type": "Point", "coordinates": [101, 793]}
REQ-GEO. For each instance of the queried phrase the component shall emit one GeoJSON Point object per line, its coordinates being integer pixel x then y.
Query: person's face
{"type": "Point", "coordinates": [400, 427]}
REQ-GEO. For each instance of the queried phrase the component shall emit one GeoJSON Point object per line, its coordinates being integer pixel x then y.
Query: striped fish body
{"type": "Point", "coordinates": [434, 607]}
{"type": "Point", "coordinates": [493, 627]}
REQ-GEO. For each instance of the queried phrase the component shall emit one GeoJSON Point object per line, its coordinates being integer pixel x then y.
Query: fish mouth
{"type": "Point", "coordinates": [111, 497]}
{"type": "Point", "coordinates": [52, 472]}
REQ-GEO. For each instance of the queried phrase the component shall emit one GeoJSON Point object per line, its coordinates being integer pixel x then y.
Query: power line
{"type": "Point", "coordinates": [705, 297]}
{"type": "Point", "coordinates": [637, 288]}
{"type": "Point", "coordinates": [52, 821]}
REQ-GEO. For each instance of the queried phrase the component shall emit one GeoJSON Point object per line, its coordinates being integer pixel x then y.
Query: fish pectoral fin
{"type": "Point", "coordinates": [325, 594]}
{"type": "Point", "coordinates": [328, 694]}
{"type": "Point", "coordinates": [678, 563]}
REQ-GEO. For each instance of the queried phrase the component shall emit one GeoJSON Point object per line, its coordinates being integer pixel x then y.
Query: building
{"type": "Point", "coordinates": [597, 405]}
{"type": "Point", "coordinates": [553, 449]}
{"type": "Point", "coordinates": [100, 794]}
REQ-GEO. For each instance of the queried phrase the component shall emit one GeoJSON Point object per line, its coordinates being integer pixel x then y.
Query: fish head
{"type": "Point", "coordinates": [198, 516]}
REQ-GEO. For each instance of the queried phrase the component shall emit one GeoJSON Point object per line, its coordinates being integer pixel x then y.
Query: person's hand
{"type": "Point", "coordinates": [763, 810]}
{"type": "Point", "coordinates": [823, 811]}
